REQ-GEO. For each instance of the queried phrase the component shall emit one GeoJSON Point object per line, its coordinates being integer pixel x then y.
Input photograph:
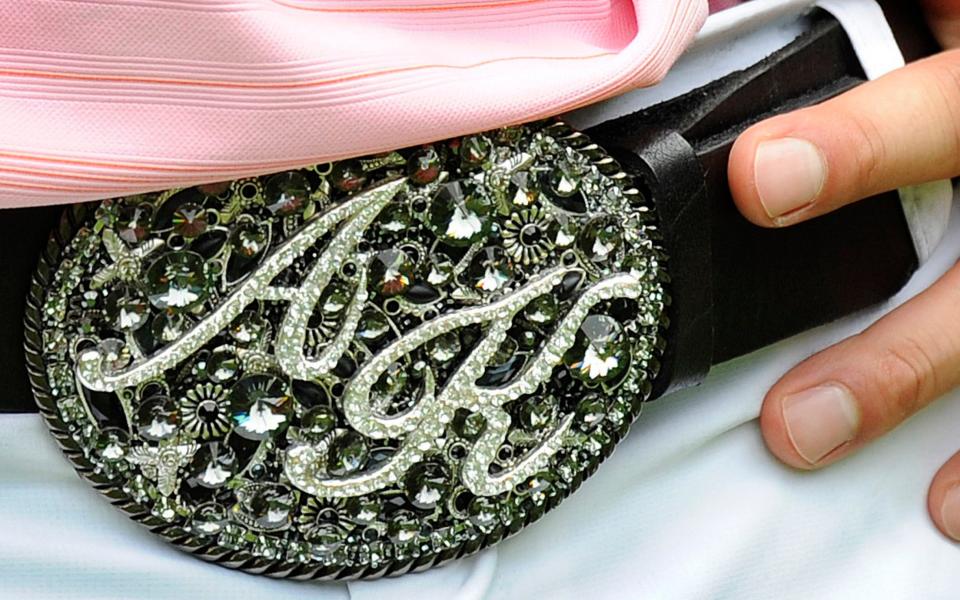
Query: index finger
{"type": "Point", "coordinates": [901, 129]}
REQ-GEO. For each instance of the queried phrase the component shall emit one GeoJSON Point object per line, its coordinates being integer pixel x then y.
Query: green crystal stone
{"type": "Point", "coordinates": [318, 421]}
{"type": "Point", "coordinates": [264, 507]}
{"type": "Point", "coordinates": [176, 281]}
{"type": "Point", "coordinates": [260, 407]}
{"type": "Point", "coordinates": [458, 215]}
{"type": "Point", "coordinates": [158, 419]}
{"type": "Point", "coordinates": [542, 310]}
{"type": "Point", "coordinates": [348, 454]}
{"type": "Point", "coordinates": [490, 270]}
{"type": "Point", "coordinates": [601, 240]}
{"type": "Point", "coordinates": [363, 511]}
{"type": "Point", "coordinates": [390, 383]}
{"type": "Point", "coordinates": [334, 299]}
{"type": "Point", "coordinates": [391, 273]}
{"type": "Point", "coordinates": [444, 348]}
{"type": "Point", "coordinates": [474, 149]}
{"type": "Point", "coordinates": [424, 166]}
{"type": "Point", "coordinates": [404, 528]}
{"type": "Point", "coordinates": [600, 350]}
{"type": "Point", "coordinates": [427, 484]}
{"type": "Point", "coordinates": [348, 176]}
{"type": "Point", "coordinates": [527, 339]}
{"type": "Point", "coordinates": [482, 513]}
{"type": "Point", "coordinates": [440, 271]}
{"type": "Point", "coordinates": [591, 411]}
{"type": "Point", "coordinates": [538, 414]}
{"type": "Point", "coordinates": [469, 425]}
{"type": "Point", "coordinates": [539, 487]}
{"type": "Point", "coordinates": [223, 365]}
{"type": "Point", "coordinates": [249, 240]}
{"type": "Point", "coordinates": [167, 327]}
{"type": "Point", "coordinates": [564, 180]}
{"type": "Point", "coordinates": [395, 219]}
{"type": "Point", "coordinates": [286, 193]}
{"type": "Point", "coordinates": [111, 444]}
{"type": "Point", "coordinates": [133, 222]}
{"type": "Point", "coordinates": [209, 519]}
{"type": "Point", "coordinates": [127, 311]}
{"type": "Point", "coordinates": [248, 328]}
{"type": "Point", "coordinates": [373, 326]}
{"type": "Point", "coordinates": [326, 539]}
{"type": "Point", "coordinates": [523, 190]}
{"type": "Point", "coordinates": [212, 466]}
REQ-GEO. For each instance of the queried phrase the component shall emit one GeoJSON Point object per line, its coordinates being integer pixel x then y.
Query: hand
{"type": "Point", "coordinates": [899, 130]}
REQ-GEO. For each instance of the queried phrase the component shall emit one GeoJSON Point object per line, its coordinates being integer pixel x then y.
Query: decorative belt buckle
{"type": "Point", "coordinates": [360, 368]}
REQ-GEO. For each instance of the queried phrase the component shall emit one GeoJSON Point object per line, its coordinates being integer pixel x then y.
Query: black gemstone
{"type": "Point", "coordinates": [210, 243]}
{"type": "Point", "coordinates": [569, 285]}
{"type": "Point", "coordinates": [345, 368]}
{"type": "Point", "coordinates": [309, 394]}
{"type": "Point", "coordinates": [470, 336]}
{"type": "Point", "coordinates": [422, 293]}
{"type": "Point", "coordinates": [574, 203]}
{"type": "Point", "coordinates": [504, 372]}
{"type": "Point", "coordinates": [531, 235]}
{"type": "Point", "coordinates": [105, 408]}
{"type": "Point", "coordinates": [244, 448]}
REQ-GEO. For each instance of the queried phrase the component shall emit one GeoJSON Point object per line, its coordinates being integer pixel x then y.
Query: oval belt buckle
{"type": "Point", "coordinates": [355, 369]}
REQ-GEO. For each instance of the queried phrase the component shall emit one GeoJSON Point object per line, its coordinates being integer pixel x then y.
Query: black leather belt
{"type": "Point", "coordinates": [376, 366]}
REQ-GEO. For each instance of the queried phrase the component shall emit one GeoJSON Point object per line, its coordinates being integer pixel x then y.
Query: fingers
{"type": "Point", "coordinates": [840, 399]}
{"type": "Point", "coordinates": [943, 499]}
{"type": "Point", "coordinates": [899, 130]}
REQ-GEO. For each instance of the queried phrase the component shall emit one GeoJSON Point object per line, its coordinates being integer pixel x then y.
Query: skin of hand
{"type": "Point", "coordinates": [901, 129]}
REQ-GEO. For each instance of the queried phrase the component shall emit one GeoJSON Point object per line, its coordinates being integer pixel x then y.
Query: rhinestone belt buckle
{"type": "Point", "coordinates": [354, 369]}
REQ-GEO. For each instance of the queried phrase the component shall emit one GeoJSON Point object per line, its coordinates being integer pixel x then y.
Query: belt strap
{"type": "Point", "coordinates": [738, 287]}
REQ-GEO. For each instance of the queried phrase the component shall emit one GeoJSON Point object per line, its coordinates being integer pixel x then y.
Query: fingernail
{"type": "Point", "coordinates": [789, 174]}
{"type": "Point", "coordinates": [950, 512]}
{"type": "Point", "coordinates": [820, 420]}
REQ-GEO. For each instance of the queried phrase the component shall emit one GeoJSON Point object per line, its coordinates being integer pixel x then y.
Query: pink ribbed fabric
{"type": "Point", "coordinates": [106, 97]}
